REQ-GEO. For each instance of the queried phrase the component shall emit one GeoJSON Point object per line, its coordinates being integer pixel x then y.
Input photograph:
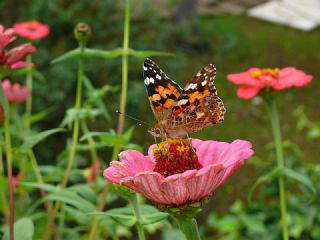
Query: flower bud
{"type": "Point", "coordinates": [82, 32]}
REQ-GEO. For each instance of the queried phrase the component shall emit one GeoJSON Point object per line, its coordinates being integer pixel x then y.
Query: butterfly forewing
{"type": "Point", "coordinates": [162, 91]}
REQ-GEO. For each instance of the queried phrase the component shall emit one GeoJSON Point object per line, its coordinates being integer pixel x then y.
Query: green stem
{"type": "Point", "coordinates": [100, 207]}
{"type": "Point", "coordinates": [124, 67]}
{"type": "Point", "coordinates": [91, 142]}
{"type": "Point", "coordinates": [136, 209]}
{"type": "Point", "coordinates": [29, 81]}
{"type": "Point", "coordinates": [8, 151]}
{"type": "Point", "coordinates": [9, 169]}
{"type": "Point", "coordinates": [3, 195]}
{"type": "Point", "coordinates": [275, 124]}
{"type": "Point", "coordinates": [189, 226]}
{"type": "Point", "coordinates": [75, 137]}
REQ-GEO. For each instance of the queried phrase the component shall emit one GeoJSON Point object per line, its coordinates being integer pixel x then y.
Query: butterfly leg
{"type": "Point", "coordinates": [189, 138]}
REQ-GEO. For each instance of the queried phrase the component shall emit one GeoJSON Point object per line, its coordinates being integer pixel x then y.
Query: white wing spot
{"type": "Point", "coordinates": [158, 76]}
{"type": "Point", "coordinates": [151, 80]}
{"type": "Point", "coordinates": [146, 81]}
{"type": "Point", "coordinates": [145, 68]}
{"type": "Point", "coordinates": [204, 83]}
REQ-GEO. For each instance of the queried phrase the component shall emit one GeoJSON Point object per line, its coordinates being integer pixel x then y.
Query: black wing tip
{"type": "Point", "coordinates": [148, 62]}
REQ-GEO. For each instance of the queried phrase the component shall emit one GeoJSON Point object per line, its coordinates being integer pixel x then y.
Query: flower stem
{"type": "Point", "coordinates": [9, 169]}
{"type": "Point", "coordinates": [136, 209]}
{"type": "Point", "coordinates": [75, 137]}
{"type": "Point", "coordinates": [29, 81]}
{"type": "Point", "coordinates": [124, 67]}
{"type": "Point", "coordinates": [91, 142]}
{"type": "Point", "coordinates": [189, 226]}
{"type": "Point", "coordinates": [3, 195]}
{"type": "Point", "coordinates": [75, 134]}
{"type": "Point", "coordinates": [275, 124]}
{"type": "Point", "coordinates": [8, 151]}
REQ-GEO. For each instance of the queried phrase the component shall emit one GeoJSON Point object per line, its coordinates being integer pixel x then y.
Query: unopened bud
{"type": "Point", "coordinates": [82, 32]}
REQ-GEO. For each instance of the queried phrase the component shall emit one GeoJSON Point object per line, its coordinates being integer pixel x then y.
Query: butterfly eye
{"type": "Point", "coordinates": [157, 131]}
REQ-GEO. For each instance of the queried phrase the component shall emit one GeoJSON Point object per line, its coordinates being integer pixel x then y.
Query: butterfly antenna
{"type": "Point", "coordinates": [133, 118]}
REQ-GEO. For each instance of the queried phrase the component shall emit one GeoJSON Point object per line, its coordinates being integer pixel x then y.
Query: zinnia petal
{"type": "Point", "coordinates": [245, 78]}
{"type": "Point", "coordinates": [218, 160]}
{"type": "Point", "coordinates": [247, 92]}
{"type": "Point", "coordinates": [291, 77]}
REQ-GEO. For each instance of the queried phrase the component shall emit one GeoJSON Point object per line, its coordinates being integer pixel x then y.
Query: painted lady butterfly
{"type": "Point", "coordinates": [182, 111]}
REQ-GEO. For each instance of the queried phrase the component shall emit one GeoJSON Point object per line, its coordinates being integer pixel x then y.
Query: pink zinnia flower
{"type": "Point", "coordinates": [255, 79]}
{"type": "Point", "coordinates": [179, 171]}
{"type": "Point", "coordinates": [6, 37]}
{"type": "Point", "coordinates": [15, 93]}
{"type": "Point", "coordinates": [13, 58]}
{"type": "Point", "coordinates": [32, 30]}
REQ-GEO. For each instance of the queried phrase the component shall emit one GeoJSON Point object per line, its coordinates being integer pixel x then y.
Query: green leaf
{"type": "Point", "coordinates": [40, 115]}
{"type": "Point", "coordinates": [263, 179]}
{"type": "Point", "coordinates": [73, 199]}
{"type": "Point", "coordinates": [123, 216]}
{"type": "Point", "coordinates": [23, 230]}
{"type": "Point", "coordinates": [84, 190]}
{"type": "Point", "coordinates": [87, 54]}
{"type": "Point", "coordinates": [77, 215]}
{"type": "Point", "coordinates": [83, 113]}
{"type": "Point", "coordinates": [150, 217]}
{"type": "Point", "coordinates": [33, 140]}
{"type": "Point", "coordinates": [299, 178]}
{"type": "Point", "coordinates": [3, 101]}
{"type": "Point", "coordinates": [97, 99]}
{"type": "Point", "coordinates": [146, 54]}
{"type": "Point", "coordinates": [73, 54]}
{"type": "Point", "coordinates": [44, 186]}
{"type": "Point", "coordinates": [110, 138]}
{"type": "Point", "coordinates": [97, 53]}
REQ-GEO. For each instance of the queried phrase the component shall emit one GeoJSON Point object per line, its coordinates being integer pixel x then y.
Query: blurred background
{"type": "Point", "coordinates": [197, 33]}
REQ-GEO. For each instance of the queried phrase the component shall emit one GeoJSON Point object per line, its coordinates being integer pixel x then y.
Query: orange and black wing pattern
{"type": "Point", "coordinates": [162, 91]}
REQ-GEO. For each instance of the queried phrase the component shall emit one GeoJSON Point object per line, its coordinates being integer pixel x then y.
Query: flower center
{"type": "Point", "coordinates": [32, 27]}
{"type": "Point", "coordinates": [175, 156]}
{"type": "Point", "coordinates": [266, 73]}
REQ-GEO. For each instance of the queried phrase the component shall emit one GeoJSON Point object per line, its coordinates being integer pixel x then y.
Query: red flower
{"type": "Point", "coordinates": [32, 30]}
{"type": "Point", "coordinates": [179, 171]}
{"type": "Point", "coordinates": [255, 79]}
{"type": "Point", "coordinates": [15, 93]}
{"type": "Point", "coordinates": [12, 58]}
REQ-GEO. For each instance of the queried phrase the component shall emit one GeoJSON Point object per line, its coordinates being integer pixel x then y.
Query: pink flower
{"type": "Point", "coordinates": [179, 171]}
{"type": "Point", "coordinates": [32, 30]}
{"type": "Point", "coordinates": [6, 37]}
{"type": "Point", "coordinates": [13, 58]}
{"type": "Point", "coordinates": [255, 79]}
{"type": "Point", "coordinates": [95, 170]}
{"type": "Point", "coordinates": [15, 93]}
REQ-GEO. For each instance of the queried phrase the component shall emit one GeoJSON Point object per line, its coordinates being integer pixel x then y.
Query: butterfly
{"type": "Point", "coordinates": [182, 111]}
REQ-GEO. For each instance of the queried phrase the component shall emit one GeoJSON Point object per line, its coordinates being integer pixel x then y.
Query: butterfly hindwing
{"type": "Point", "coordinates": [162, 91]}
{"type": "Point", "coordinates": [199, 105]}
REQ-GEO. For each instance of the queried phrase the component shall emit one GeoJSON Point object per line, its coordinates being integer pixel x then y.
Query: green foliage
{"type": "Point", "coordinates": [23, 229]}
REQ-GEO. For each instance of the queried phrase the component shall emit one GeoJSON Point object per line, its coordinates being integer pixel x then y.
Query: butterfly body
{"type": "Point", "coordinates": [182, 111]}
